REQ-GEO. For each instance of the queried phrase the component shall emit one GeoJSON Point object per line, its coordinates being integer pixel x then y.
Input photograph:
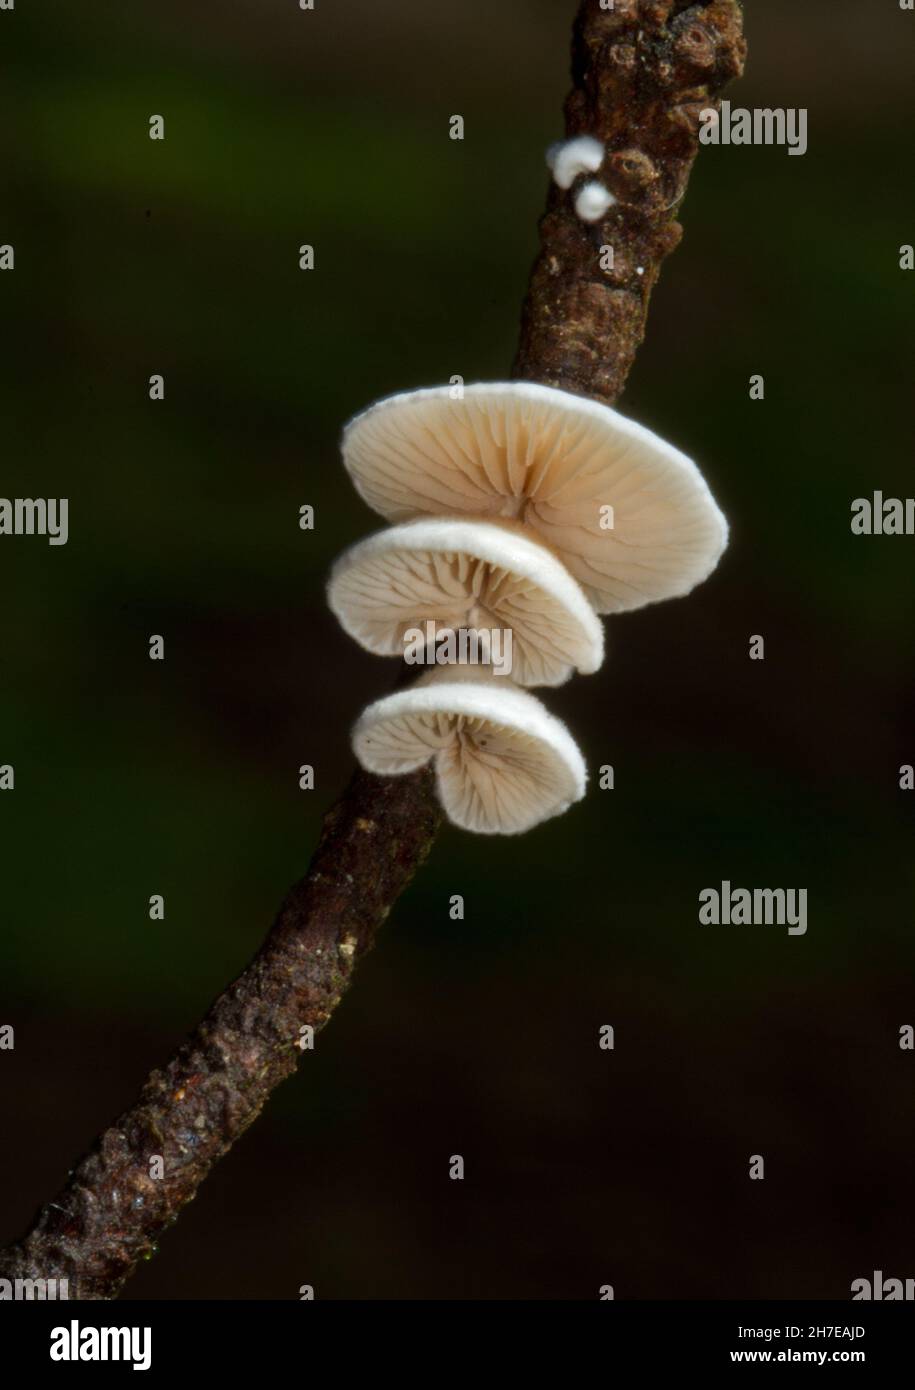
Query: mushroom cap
{"type": "Point", "coordinates": [569, 158]}
{"type": "Point", "coordinates": [592, 201]}
{"type": "Point", "coordinates": [552, 460]}
{"type": "Point", "coordinates": [457, 573]}
{"type": "Point", "coordinates": [503, 763]}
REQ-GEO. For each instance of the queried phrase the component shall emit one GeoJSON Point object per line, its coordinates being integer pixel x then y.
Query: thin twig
{"type": "Point", "coordinates": [641, 73]}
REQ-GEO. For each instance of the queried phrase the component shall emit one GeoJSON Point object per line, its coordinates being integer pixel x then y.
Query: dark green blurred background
{"type": "Point", "coordinates": [133, 257]}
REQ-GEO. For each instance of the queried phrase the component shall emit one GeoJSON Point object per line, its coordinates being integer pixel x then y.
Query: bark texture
{"type": "Point", "coordinates": [641, 74]}
{"type": "Point", "coordinates": [113, 1210]}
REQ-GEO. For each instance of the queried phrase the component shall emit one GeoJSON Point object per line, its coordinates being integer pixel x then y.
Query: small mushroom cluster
{"type": "Point", "coordinates": [517, 507]}
{"type": "Point", "coordinates": [567, 160]}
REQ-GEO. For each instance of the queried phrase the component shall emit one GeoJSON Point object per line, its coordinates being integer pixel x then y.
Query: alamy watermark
{"type": "Point", "coordinates": [736, 125]}
{"type": "Point", "coordinates": [36, 516]}
{"type": "Point", "coordinates": [883, 516]}
{"type": "Point", "coordinates": [34, 1290]}
{"type": "Point", "coordinates": [877, 1289]}
{"type": "Point", "coordinates": [754, 906]}
{"type": "Point", "coordinates": [464, 646]}
{"type": "Point", "coordinates": [76, 1343]}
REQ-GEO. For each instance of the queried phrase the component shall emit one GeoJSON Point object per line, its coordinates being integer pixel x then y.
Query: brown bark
{"type": "Point", "coordinates": [112, 1211]}
{"type": "Point", "coordinates": [641, 73]}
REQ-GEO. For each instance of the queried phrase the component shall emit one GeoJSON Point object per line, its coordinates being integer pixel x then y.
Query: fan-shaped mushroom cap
{"type": "Point", "coordinates": [457, 574]}
{"type": "Point", "coordinates": [503, 763]}
{"type": "Point", "coordinates": [556, 462]}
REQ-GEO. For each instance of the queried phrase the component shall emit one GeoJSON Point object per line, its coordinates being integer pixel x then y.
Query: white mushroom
{"type": "Point", "coordinates": [630, 516]}
{"type": "Point", "coordinates": [455, 574]}
{"type": "Point", "coordinates": [502, 762]}
{"type": "Point", "coordinates": [569, 158]}
{"type": "Point", "coordinates": [592, 201]}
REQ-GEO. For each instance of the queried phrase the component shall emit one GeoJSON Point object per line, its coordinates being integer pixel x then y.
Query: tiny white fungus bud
{"type": "Point", "coordinates": [569, 158]}
{"type": "Point", "coordinates": [592, 201]}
